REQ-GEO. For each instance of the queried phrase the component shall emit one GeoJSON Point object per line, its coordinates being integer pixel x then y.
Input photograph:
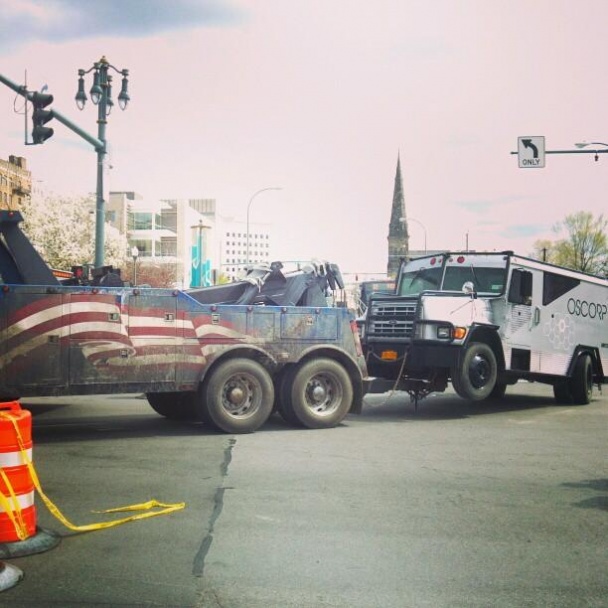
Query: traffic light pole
{"type": "Point", "coordinates": [98, 143]}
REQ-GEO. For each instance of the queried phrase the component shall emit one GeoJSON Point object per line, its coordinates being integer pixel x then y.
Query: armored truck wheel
{"type": "Point", "coordinates": [175, 406]}
{"type": "Point", "coordinates": [581, 383]}
{"type": "Point", "coordinates": [474, 377]}
{"type": "Point", "coordinates": [321, 394]}
{"type": "Point", "coordinates": [561, 392]}
{"type": "Point", "coordinates": [238, 396]}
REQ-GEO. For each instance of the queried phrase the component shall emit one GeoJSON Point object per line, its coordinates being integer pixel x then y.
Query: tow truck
{"type": "Point", "coordinates": [229, 355]}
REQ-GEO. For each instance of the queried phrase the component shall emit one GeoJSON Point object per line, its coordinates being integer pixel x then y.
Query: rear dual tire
{"type": "Point", "coordinates": [316, 394]}
{"type": "Point", "coordinates": [578, 389]}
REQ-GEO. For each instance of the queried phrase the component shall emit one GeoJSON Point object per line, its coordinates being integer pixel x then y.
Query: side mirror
{"type": "Point", "coordinates": [468, 287]}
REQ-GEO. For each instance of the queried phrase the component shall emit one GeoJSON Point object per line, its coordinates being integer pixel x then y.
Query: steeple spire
{"type": "Point", "coordinates": [398, 237]}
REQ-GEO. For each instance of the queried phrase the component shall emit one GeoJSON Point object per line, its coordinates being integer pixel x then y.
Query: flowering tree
{"type": "Point", "coordinates": [62, 229]}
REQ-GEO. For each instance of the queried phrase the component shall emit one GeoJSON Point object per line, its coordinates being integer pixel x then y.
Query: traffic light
{"type": "Point", "coordinates": [40, 117]}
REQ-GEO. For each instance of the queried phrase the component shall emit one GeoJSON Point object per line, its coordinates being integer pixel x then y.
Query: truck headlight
{"type": "Point", "coordinates": [444, 332]}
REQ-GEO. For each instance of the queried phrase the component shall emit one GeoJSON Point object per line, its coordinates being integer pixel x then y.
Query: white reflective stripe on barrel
{"type": "Point", "coordinates": [25, 501]}
{"type": "Point", "coordinates": [14, 459]}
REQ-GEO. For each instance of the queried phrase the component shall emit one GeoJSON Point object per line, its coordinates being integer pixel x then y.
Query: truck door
{"type": "Point", "coordinates": [523, 327]}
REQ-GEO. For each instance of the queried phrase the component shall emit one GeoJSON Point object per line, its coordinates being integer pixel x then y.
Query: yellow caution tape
{"type": "Point", "coordinates": [12, 508]}
{"type": "Point", "coordinates": [15, 516]}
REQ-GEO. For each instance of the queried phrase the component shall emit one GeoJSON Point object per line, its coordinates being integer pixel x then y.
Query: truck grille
{"type": "Point", "coordinates": [386, 319]}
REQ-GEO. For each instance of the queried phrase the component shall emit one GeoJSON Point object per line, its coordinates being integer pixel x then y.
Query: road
{"type": "Point", "coordinates": [457, 504]}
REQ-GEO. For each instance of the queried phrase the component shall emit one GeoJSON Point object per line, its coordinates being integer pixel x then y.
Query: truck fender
{"type": "Point", "coordinates": [238, 350]}
{"type": "Point", "coordinates": [596, 361]}
{"type": "Point", "coordinates": [481, 332]}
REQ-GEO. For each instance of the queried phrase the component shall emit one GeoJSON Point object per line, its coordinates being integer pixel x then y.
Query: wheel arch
{"type": "Point", "coordinates": [245, 352]}
{"type": "Point", "coordinates": [596, 361]}
{"type": "Point", "coordinates": [488, 334]}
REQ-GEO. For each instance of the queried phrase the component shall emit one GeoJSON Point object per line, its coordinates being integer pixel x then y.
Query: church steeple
{"type": "Point", "coordinates": [398, 237]}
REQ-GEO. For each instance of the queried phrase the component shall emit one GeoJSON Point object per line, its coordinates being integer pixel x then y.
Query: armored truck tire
{"type": "Point", "coordinates": [319, 394]}
{"type": "Point", "coordinates": [499, 390]}
{"type": "Point", "coordinates": [578, 389]}
{"type": "Point", "coordinates": [238, 396]}
{"type": "Point", "coordinates": [581, 382]}
{"type": "Point", "coordinates": [175, 406]}
{"type": "Point", "coordinates": [474, 377]}
{"type": "Point", "coordinates": [562, 394]}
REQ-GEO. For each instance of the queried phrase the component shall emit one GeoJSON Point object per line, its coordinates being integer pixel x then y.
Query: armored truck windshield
{"type": "Point", "coordinates": [486, 272]}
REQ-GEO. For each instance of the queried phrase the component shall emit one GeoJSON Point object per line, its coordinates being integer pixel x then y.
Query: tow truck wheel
{"type": "Point", "coordinates": [284, 399]}
{"type": "Point", "coordinates": [175, 406]}
{"type": "Point", "coordinates": [321, 394]}
{"type": "Point", "coordinates": [238, 397]}
{"type": "Point", "coordinates": [581, 383]}
{"type": "Point", "coordinates": [475, 376]}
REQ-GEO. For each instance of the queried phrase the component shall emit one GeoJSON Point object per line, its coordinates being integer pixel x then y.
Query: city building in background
{"type": "Point", "coordinates": [234, 249]}
{"type": "Point", "coordinates": [15, 182]}
{"type": "Point", "coordinates": [176, 232]}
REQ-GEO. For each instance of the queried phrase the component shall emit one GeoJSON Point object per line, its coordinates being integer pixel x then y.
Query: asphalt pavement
{"type": "Point", "coordinates": [455, 504]}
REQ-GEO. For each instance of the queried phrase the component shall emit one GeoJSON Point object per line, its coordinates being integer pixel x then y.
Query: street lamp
{"type": "Point", "coordinates": [248, 206]}
{"type": "Point", "coordinates": [134, 255]}
{"type": "Point", "coordinates": [411, 219]}
{"type": "Point", "coordinates": [584, 144]}
{"type": "Point", "coordinates": [101, 96]}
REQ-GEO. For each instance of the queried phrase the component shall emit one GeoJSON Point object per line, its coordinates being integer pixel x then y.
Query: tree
{"type": "Point", "coordinates": [584, 247]}
{"type": "Point", "coordinates": [62, 229]}
{"type": "Point", "coordinates": [152, 274]}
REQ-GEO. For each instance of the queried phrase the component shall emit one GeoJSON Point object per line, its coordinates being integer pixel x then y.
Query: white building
{"type": "Point", "coordinates": [236, 250]}
{"type": "Point", "coordinates": [168, 232]}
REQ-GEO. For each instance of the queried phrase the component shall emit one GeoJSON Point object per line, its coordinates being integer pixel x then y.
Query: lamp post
{"type": "Point", "coordinates": [404, 220]}
{"type": "Point", "coordinates": [411, 219]}
{"type": "Point", "coordinates": [584, 144]}
{"type": "Point", "coordinates": [134, 255]}
{"type": "Point", "coordinates": [101, 96]}
{"type": "Point", "coordinates": [247, 230]}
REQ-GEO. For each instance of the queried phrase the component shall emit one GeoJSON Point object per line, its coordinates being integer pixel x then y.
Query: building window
{"type": "Point", "coordinates": [140, 221]}
{"type": "Point", "coordinates": [144, 247]}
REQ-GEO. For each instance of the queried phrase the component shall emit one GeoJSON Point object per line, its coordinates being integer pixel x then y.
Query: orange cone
{"type": "Point", "coordinates": [17, 511]}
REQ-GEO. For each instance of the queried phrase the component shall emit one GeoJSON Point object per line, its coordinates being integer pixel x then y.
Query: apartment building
{"type": "Point", "coordinates": [15, 182]}
{"type": "Point", "coordinates": [238, 249]}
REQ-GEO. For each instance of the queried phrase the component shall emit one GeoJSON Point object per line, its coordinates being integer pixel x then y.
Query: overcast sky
{"type": "Point", "coordinates": [319, 97]}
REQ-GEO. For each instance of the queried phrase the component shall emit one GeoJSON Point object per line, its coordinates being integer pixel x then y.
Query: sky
{"type": "Point", "coordinates": [319, 98]}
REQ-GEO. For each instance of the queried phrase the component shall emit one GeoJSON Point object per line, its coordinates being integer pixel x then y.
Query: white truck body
{"type": "Point", "coordinates": [537, 321]}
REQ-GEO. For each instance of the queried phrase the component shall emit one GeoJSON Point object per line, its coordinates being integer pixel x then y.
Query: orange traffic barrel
{"type": "Point", "coordinates": [17, 511]}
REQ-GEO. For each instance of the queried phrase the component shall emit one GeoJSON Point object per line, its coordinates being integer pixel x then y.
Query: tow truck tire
{"type": "Point", "coordinates": [581, 383]}
{"type": "Point", "coordinates": [175, 406]}
{"type": "Point", "coordinates": [284, 399]}
{"type": "Point", "coordinates": [238, 396]}
{"type": "Point", "coordinates": [475, 376]}
{"type": "Point", "coordinates": [321, 394]}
